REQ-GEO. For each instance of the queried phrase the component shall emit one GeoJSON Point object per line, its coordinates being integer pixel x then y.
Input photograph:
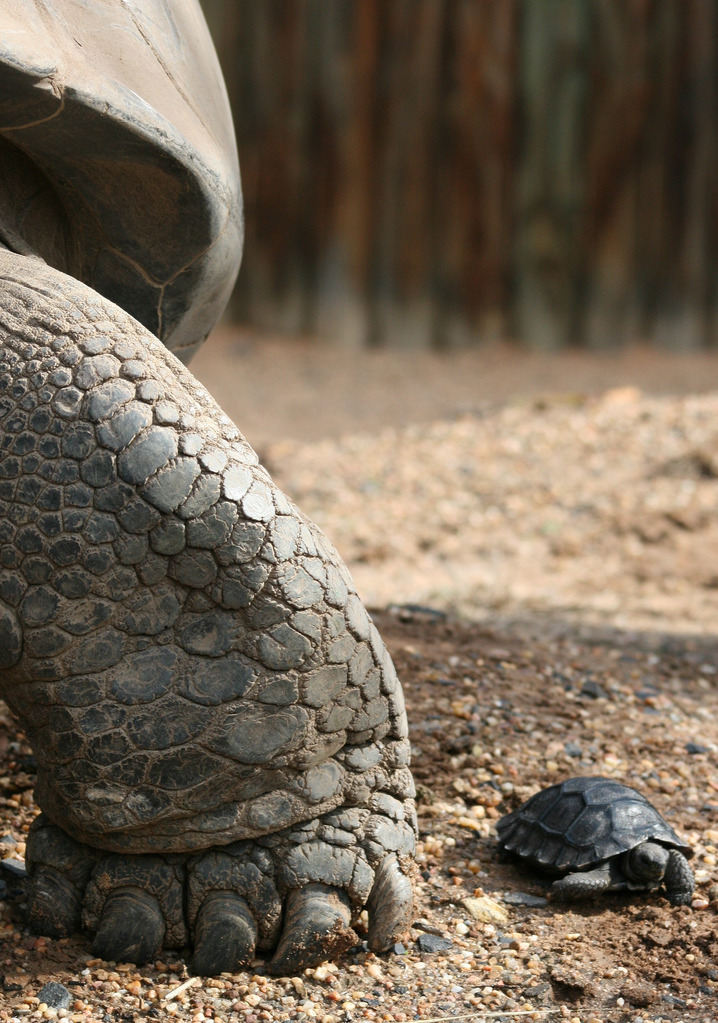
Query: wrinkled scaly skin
{"type": "Point", "coordinates": [220, 734]}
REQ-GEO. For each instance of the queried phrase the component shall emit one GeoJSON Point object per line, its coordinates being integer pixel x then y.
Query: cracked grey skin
{"type": "Point", "coordinates": [220, 734]}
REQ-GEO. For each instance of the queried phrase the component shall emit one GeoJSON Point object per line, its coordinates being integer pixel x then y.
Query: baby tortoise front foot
{"type": "Point", "coordinates": [679, 879]}
{"type": "Point", "coordinates": [294, 895]}
{"type": "Point", "coordinates": [643, 868]}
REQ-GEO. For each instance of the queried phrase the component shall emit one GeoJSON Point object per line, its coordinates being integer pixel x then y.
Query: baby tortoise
{"type": "Point", "coordinates": [598, 836]}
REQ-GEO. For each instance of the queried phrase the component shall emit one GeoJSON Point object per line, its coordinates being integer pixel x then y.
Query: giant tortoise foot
{"type": "Point", "coordinates": [294, 894]}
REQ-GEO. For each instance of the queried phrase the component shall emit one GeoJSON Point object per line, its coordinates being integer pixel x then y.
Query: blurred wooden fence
{"type": "Point", "coordinates": [436, 172]}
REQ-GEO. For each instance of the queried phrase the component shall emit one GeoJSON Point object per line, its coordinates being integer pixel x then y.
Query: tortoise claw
{"type": "Point", "coordinates": [131, 928]}
{"type": "Point", "coordinates": [225, 935]}
{"type": "Point", "coordinates": [54, 904]}
{"type": "Point", "coordinates": [389, 906]}
{"type": "Point", "coordinates": [316, 927]}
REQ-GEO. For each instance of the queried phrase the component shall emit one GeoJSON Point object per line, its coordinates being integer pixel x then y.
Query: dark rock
{"type": "Point", "coordinates": [55, 996]}
{"type": "Point", "coordinates": [433, 943]}
{"type": "Point", "coordinates": [13, 868]}
{"type": "Point", "coordinates": [592, 689]}
{"type": "Point", "coordinates": [572, 749]}
{"type": "Point", "coordinates": [524, 899]}
{"type": "Point", "coordinates": [694, 747]}
{"type": "Point", "coordinates": [414, 612]}
{"type": "Point", "coordinates": [571, 982]}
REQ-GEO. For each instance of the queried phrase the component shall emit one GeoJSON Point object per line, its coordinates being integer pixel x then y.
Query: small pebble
{"type": "Point", "coordinates": [14, 868]}
{"type": "Point", "coordinates": [433, 943]}
{"type": "Point", "coordinates": [525, 899]}
{"type": "Point", "coordinates": [591, 688]}
{"type": "Point", "coordinates": [485, 909]}
{"type": "Point", "coordinates": [55, 996]}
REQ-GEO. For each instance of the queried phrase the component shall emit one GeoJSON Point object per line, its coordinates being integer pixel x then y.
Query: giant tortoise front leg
{"type": "Point", "coordinates": [220, 734]}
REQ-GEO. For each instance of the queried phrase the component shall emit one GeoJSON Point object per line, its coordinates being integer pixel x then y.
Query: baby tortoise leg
{"type": "Point", "coordinates": [583, 884]}
{"type": "Point", "coordinates": [678, 879]}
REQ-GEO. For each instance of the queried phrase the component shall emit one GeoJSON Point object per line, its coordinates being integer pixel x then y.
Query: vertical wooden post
{"type": "Point", "coordinates": [617, 117]}
{"type": "Point", "coordinates": [554, 40]}
{"type": "Point", "coordinates": [474, 172]}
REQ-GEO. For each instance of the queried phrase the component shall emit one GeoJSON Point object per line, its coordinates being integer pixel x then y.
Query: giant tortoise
{"type": "Point", "coordinates": [220, 735]}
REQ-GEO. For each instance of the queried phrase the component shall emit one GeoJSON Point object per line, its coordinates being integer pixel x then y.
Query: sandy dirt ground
{"type": "Point", "coordinates": [538, 536]}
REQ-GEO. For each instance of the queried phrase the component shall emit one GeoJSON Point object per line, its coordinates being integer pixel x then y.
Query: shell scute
{"type": "Point", "coordinates": [606, 792]}
{"type": "Point", "coordinates": [563, 812]}
{"type": "Point", "coordinates": [590, 826]}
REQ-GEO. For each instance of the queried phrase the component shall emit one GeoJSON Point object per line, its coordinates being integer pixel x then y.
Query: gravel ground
{"type": "Point", "coordinates": [548, 573]}
{"type": "Point", "coordinates": [594, 510]}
